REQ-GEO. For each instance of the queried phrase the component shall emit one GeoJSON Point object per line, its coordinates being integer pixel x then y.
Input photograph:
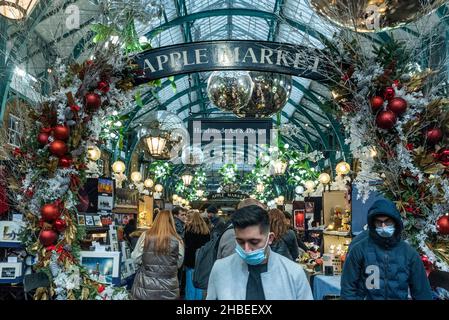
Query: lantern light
{"type": "Point", "coordinates": [187, 179]}
{"type": "Point", "coordinates": [118, 167]}
{"type": "Point", "coordinates": [136, 176]}
{"type": "Point", "coordinates": [156, 145]}
{"type": "Point", "coordinates": [324, 178]}
{"type": "Point", "coordinates": [343, 168]}
{"type": "Point", "coordinates": [148, 183]}
{"type": "Point", "coordinates": [158, 188]}
{"type": "Point", "coordinates": [93, 153]}
{"type": "Point", "coordinates": [279, 167]}
{"type": "Point", "coordinates": [310, 185]}
{"type": "Point", "coordinates": [17, 9]}
{"type": "Point", "coordinates": [175, 197]}
{"type": "Point", "coordinates": [299, 190]}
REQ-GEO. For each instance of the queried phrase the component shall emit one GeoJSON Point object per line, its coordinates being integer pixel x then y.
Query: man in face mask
{"type": "Point", "coordinates": [254, 272]}
{"type": "Point", "coordinates": [380, 265]}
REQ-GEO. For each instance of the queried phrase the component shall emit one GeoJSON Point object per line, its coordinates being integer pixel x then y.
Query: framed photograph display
{"type": "Point", "coordinates": [10, 272]}
{"type": "Point", "coordinates": [97, 221]}
{"type": "Point", "coordinates": [81, 219]}
{"type": "Point", "coordinates": [101, 266]}
{"type": "Point", "coordinates": [9, 232]}
{"type": "Point", "coordinates": [113, 239]}
{"type": "Point", "coordinates": [125, 250]}
{"type": "Point", "coordinates": [299, 219]}
{"type": "Point", "coordinates": [89, 221]}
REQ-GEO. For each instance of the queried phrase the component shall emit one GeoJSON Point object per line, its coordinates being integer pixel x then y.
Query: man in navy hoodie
{"type": "Point", "coordinates": [382, 266]}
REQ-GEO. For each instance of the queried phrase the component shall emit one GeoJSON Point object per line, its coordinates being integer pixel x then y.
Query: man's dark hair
{"type": "Point", "coordinates": [212, 209]}
{"type": "Point", "coordinates": [176, 210]}
{"type": "Point", "coordinates": [251, 216]}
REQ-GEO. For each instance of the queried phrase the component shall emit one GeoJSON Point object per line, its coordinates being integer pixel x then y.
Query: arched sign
{"type": "Point", "coordinates": [264, 56]}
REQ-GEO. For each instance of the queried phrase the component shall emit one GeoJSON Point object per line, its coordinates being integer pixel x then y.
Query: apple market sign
{"type": "Point", "coordinates": [229, 55]}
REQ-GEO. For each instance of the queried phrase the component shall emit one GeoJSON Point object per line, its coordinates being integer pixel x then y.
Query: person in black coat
{"type": "Point", "coordinates": [285, 242]}
{"type": "Point", "coordinates": [382, 266]}
{"type": "Point", "coordinates": [196, 235]}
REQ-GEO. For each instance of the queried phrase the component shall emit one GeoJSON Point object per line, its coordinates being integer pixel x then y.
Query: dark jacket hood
{"type": "Point", "coordinates": [386, 208]}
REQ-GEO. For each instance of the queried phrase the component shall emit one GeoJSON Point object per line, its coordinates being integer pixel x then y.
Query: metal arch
{"type": "Point", "coordinates": [274, 26]}
{"type": "Point", "coordinates": [335, 125]}
{"type": "Point", "coordinates": [232, 12]}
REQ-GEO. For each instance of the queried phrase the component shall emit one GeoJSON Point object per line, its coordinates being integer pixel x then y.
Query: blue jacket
{"type": "Point", "coordinates": [379, 268]}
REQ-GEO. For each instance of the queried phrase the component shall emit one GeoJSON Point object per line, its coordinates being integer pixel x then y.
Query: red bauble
{"type": "Point", "coordinates": [58, 148]}
{"type": "Point", "coordinates": [443, 225]}
{"type": "Point", "coordinates": [397, 105]}
{"type": "Point", "coordinates": [103, 86]}
{"type": "Point", "coordinates": [443, 156]}
{"type": "Point", "coordinates": [48, 237]}
{"type": "Point", "coordinates": [50, 212]}
{"type": "Point", "coordinates": [65, 162]}
{"type": "Point", "coordinates": [389, 93]}
{"type": "Point", "coordinates": [92, 101]}
{"type": "Point", "coordinates": [61, 132]}
{"type": "Point", "coordinates": [60, 225]}
{"type": "Point", "coordinates": [434, 135]}
{"type": "Point", "coordinates": [376, 103]}
{"type": "Point", "coordinates": [386, 119]}
{"type": "Point", "coordinates": [42, 138]}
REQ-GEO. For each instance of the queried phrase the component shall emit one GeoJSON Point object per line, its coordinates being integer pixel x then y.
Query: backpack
{"type": "Point", "coordinates": [205, 258]}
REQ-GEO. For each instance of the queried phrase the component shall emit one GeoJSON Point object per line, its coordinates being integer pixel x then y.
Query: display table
{"type": "Point", "coordinates": [326, 285]}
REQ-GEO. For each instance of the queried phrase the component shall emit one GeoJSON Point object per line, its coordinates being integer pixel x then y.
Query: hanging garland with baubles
{"type": "Point", "coordinates": [54, 161]}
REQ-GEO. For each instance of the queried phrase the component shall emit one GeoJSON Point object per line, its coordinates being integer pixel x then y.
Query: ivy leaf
{"type": "Point", "coordinates": [138, 98]}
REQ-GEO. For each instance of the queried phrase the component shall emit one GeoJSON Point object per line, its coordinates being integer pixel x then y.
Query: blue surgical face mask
{"type": "Point", "coordinates": [254, 257]}
{"type": "Point", "coordinates": [385, 232]}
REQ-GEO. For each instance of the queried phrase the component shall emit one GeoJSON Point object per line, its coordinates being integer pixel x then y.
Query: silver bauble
{"type": "Point", "coordinates": [229, 90]}
{"type": "Point", "coordinates": [270, 94]}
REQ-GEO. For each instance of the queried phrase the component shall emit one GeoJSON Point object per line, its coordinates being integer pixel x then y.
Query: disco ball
{"type": "Point", "coordinates": [270, 94]}
{"type": "Point", "coordinates": [229, 90]}
{"type": "Point", "coordinates": [373, 15]}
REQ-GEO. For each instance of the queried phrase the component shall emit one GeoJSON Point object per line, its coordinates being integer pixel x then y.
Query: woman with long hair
{"type": "Point", "coordinates": [284, 238]}
{"type": "Point", "coordinates": [196, 235]}
{"type": "Point", "coordinates": [159, 252]}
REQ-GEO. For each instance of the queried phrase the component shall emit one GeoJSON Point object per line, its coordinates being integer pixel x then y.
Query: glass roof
{"type": "Point", "coordinates": [285, 21]}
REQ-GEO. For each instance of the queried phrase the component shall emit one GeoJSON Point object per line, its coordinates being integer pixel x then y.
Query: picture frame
{"type": "Point", "coordinates": [126, 199]}
{"type": "Point", "coordinates": [113, 239]}
{"type": "Point", "coordinates": [97, 221]}
{"type": "Point", "coordinates": [105, 203]}
{"type": "Point", "coordinates": [131, 266]}
{"type": "Point", "coordinates": [299, 219]}
{"type": "Point", "coordinates": [10, 272]}
{"type": "Point", "coordinates": [125, 250]}
{"type": "Point", "coordinates": [102, 266]}
{"type": "Point", "coordinates": [105, 186]}
{"type": "Point", "coordinates": [9, 232]}
{"type": "Point", "coordinates": [81, 219]}
{"type": "Point", "coordinates": [89, 221]}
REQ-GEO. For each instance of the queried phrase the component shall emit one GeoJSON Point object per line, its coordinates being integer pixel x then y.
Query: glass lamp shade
{"type": "Point", "coordinates": [158, 188]}
{"type": "Point", "coordinates": [118, 167]}
{"type": "Point", "coordinates": [187, 179]}
{"type": "Point", "coordinates": [17, 9]}
{"type": "Point", "coordinates": [136, 176]}
{"type": "Point", "coordinates": [175, 197]}
{"type": "Point", "coordinates": [343, 168]}
{"type": "Point", "coordinates": [310, 185]}
{"type": "Point", "coordinates": [93, 153]}
{"type": "Point", "coordinates": [148, 183]}
{"type": "Point", "coordinates": [156, 145]}
{"type": "Point", "coordinates": [279, 167]}
{"type": "Point", "coordinates": [324, 178]}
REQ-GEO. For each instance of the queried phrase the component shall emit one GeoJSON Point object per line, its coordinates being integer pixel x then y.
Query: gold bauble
{"type": "Point", "coordinates": [373, 15]}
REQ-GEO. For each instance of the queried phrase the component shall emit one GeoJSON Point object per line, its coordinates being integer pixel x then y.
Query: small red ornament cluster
{"type": "Point", "coordinates": [396, 106]}
{"type": "Point", "coordinates": [51, 214]}
{"type": "Point", "coordinates": [443, 225]}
